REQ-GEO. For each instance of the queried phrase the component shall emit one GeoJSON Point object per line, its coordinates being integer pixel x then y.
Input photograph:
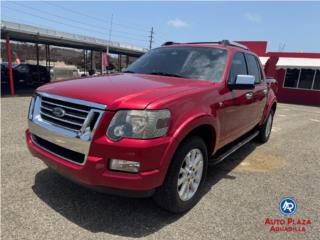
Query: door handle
{"type": "Point", "coordinates": [249, 95]}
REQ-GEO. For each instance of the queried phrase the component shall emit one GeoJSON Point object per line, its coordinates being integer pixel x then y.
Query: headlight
{"type": "Point", "coordinates": [31, 107]}
{"type": "Point", "coordinates": [140, 124]}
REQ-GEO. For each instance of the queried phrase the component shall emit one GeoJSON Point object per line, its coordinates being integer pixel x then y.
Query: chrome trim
{"type": "Point", "coordinates": [58, 155]}
{"type": "Point", "coordinates": [67, 107]}
{"type": "Point", "coordinates": [73, 100]}
{"type": "Point", "coordinates": [66, 114]}
{"type": "Point", "coordinates": [75, 140]}
{"type": "Point", "coordinates": [60, 119]}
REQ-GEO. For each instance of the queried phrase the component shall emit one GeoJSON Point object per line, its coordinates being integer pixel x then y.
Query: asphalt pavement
{"type": "Point", "coordinates": [240, 193]}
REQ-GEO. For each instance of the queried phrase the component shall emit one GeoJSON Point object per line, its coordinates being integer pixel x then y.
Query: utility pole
{"type": "Point", "coordinates": [110, 32]}
{"type": "Point", "coordinates": [151, 38]}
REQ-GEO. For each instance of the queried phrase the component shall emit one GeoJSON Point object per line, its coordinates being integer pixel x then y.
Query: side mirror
{"type": "Point", "coordinates": [270, 80]}
{"type": "Point", "coordinates": [243, 82]}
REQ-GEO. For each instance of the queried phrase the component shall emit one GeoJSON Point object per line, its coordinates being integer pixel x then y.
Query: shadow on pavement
{"type": "Point", "coordinates": [121, 216]}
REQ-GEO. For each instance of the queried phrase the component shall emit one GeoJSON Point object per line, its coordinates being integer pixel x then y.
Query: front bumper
{"type": "Point", "coordinates": [95, 171]}
{"type": "Point", "coordinates": [60, 148]}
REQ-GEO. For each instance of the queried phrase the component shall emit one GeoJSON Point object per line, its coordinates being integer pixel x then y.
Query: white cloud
{"type": "Point", "coordinates": [253, 17]}
{"type": "Point", "coordinates": [177, 23]}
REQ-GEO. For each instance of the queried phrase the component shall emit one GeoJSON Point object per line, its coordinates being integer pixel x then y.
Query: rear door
{"type": "Point", "coordinates": [260, 91]}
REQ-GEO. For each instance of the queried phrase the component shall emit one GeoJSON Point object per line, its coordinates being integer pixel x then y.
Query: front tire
{"type": "Point", "coordinates": [181, 189]}
{"type": "Point", "coordinates": [265, 129]}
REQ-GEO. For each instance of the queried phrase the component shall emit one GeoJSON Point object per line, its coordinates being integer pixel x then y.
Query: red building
{"type": "Point", "coordinates": [298, 74]}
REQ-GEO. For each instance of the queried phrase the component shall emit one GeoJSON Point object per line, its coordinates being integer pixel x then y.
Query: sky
{"type": "Point", "coordinates": [287, 26]}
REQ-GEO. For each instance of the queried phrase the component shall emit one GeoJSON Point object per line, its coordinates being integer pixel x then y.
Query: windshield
{"type": "Point", "coordinates": [200, 63]}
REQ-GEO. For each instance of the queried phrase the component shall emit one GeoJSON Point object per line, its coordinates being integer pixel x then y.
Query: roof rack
{"type": "Point", "coordinates": [223, 42]}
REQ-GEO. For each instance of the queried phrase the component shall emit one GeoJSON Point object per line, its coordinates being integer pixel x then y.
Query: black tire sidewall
{"type": "Point", "coordinates": [167, 195]}
{"type": "Point", "coordinates": [262, 135]}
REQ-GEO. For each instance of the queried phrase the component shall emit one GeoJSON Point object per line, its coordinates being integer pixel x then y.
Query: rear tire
{"type": "Point", "coordinates": [265, 129]}
{"type": "Point", "coordinates": [181, 189]}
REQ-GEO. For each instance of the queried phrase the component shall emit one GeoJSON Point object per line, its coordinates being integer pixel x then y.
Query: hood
{"type": "Point", "coordinates": [121, 91]}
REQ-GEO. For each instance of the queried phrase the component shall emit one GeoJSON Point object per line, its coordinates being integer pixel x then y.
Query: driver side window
{"type": "Point", "coordinates": [238, 67]}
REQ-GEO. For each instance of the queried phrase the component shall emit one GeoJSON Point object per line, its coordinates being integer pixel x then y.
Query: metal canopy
{"type": "Point", "coordinates": [286, 62]}
{"type": "Point", "coordinates": [28, 33]}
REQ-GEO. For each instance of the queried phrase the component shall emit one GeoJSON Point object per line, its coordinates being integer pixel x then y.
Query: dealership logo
{"type": "Point", "coordinates": [287, 206]}
{"type": "Point", "coordinates": [58, 112]}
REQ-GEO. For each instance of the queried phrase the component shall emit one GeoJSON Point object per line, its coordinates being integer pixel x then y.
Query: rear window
{"type": "Point", "coordinates": [253, 68]}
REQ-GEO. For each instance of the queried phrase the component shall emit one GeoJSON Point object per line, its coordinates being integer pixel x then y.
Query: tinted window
{"type": "Point", "coordinates": [253, 67]}
{"type": "Point", "coordinates": [238, 67]}
{"type": "Point", "coordinates": [292, 76]}
{"type": "Point", "coordinates": [33, 68]}
{"type": "Point", "coordinates": [22, 68]}
{"type": "Point", "coordinates": [43, 69]}
{"type": "Point", "coordinates": [306, 78]}
{"type": "Point", "coordinates": [316, 84]}
{"type": "Point", "coordinates": [189, 62]}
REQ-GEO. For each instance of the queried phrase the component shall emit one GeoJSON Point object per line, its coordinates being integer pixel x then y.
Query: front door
{"type": "Point", "coordinates": [259, 92]}
{"type": "Point", "coordinates": [236, 106]}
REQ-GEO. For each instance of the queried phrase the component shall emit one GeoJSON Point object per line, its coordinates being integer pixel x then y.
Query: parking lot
{"type": "Point", "coordinates": [240, 193]}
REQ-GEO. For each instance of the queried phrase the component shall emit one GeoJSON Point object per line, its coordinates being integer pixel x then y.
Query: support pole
{"type": "Point", "coordinates": [10, 64]}
{"type": "Point", "coordinates": [49, 56]}
{"type": "Point", "coordinates": [119, 62]}
{"type": "Point", "coordinates": [38, 70]}
{"type": "Point", "coordinates": [101, 65]}
{"type": "Point", "coordinates": [91, 59]}
{"type": "Point", "coordinates": [46, 55]}
{"type": "Point", "coordinates": [85, 61]}
{"type": "Point", "coordinates": [127, 60]}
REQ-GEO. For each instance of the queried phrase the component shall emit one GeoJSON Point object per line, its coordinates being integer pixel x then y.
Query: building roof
{"type": "Point", "coordinates": [286, 62]}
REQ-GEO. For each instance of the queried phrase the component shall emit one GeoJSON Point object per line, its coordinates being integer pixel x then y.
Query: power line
{"type": "Point", "coordinates": [34, 23]}
{"type": "Point", "coordinates": [74, 26]}
{"type": "Point", "coordinates": [98, 19]}
{"type": "Point", "coordinates": [110, 32]}
{"type": "Point", "coordinates": [70, 19]}
{"type": "Point", "coordinates": [52, 20]}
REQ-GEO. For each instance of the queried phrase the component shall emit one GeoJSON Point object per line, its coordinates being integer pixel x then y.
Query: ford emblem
{"type": "Point", "coordinates": [58, 112]}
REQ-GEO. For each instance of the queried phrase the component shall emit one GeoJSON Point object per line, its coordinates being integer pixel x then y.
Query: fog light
{"type": "Point", "coordinates": [124, 165]}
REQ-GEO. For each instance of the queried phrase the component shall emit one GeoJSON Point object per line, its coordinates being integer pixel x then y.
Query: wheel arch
{"type": "Point", "coordinates": [200, 125]}
{"type": "Point", "coordinates": [203, 126]}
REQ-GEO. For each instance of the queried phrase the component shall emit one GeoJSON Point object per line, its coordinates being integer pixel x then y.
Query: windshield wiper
{"type": "Point", "coordinates": [166, 74]}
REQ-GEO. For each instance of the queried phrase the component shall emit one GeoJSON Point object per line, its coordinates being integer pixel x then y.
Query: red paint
{"type": "Point", "coordinates": [297, 96]}
{"type": "Point", "coordinates": [258, 47]}
{"type": "Point", "coordinates": [10, 65]}
{"type": "Point", "coordinates": [191, 104]}
{"type": "Point", "coordinates": [288, 95]}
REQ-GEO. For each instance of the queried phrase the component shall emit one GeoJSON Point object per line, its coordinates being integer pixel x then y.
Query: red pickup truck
{"type": "Point", "coordinates": [153, 129]}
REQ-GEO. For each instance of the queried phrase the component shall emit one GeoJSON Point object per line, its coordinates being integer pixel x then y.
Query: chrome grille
{"type": "Point", "coordinates": [74, 115]}
{"type": "Point", "coordinates": [69, 134]}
